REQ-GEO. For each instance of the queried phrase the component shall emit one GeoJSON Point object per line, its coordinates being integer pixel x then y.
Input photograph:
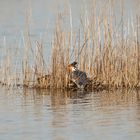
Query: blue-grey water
{"type": "Point", "coordinates": [59, 115]}
{"type": "Point", "coordinates": [42, 15]}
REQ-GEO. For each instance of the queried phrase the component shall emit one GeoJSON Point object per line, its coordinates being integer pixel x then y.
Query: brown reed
{"type": "Point", "coordinates": [107, 53]}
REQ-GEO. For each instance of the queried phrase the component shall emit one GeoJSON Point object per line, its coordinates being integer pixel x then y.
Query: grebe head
{"type": "Point", "coordinates": [72, 67]}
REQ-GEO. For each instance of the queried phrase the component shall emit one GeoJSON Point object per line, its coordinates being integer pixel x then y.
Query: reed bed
{"type": "Point", "coordinates": [107, 51]}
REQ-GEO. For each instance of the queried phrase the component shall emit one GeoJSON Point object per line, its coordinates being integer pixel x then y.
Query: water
{"type": "Point", "coordinates": [33, 115]}
{"type": "Point", "coordinates": [55, 115]}
{"type": "Point", "coordinates": [42, 16]}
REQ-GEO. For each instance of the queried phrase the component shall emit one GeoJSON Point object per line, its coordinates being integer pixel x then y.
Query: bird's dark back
{"type": "Point", "coordinates": [78, 74]}
{"type": "Point", "coordinates": [80, 77]}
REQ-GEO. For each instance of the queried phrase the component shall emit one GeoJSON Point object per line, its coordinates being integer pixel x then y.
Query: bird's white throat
{"type": "Point", "coordinates": [73, 69]}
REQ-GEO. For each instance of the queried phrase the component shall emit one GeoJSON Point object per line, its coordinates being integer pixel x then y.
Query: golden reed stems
{"type": "Point", "coordinates": [106, 51]}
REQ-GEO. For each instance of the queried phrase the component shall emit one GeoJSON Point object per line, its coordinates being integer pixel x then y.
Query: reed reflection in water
{"type": "Point", "coordinates": [60, 115]}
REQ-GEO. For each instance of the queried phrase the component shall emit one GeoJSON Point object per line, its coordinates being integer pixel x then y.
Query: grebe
{"type": "Point", "coordinates": [77, 76]}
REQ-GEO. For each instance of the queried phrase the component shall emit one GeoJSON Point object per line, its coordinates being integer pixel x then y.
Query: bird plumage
{"type": "Point", "coordinates": [77, 76]}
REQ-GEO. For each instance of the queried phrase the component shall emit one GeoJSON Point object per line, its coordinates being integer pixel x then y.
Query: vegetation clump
{"type": "Point", "coordinates": [107, 51]}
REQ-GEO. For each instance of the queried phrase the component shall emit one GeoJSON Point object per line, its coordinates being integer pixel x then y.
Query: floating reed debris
{"type": "Point", "coordinates": [106, 51]}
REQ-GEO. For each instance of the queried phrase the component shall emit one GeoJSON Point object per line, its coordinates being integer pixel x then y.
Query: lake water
{"type": "Point", "coordinates": [58, 115]}
{"type": "Point", "coordinates": [42, 16]}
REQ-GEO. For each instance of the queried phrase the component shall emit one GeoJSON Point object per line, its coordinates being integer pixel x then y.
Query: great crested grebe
{"type": "Point", "coordinates": [77, 76]}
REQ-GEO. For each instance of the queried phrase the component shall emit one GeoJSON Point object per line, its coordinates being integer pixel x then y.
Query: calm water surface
{"type": "Point", "coordinates": [42, 17]}
{"type": "Point", "coordinates": [33, 115]}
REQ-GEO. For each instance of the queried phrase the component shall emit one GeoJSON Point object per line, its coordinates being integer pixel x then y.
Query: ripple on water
{"type": "Point", "coordinates": [69, 115]}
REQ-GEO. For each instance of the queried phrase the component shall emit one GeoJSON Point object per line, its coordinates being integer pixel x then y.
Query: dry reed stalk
{"type": "Point", "coordinates": [138, 51]}
{"type": "Point", "coordinates": [28, 53]}
{"type": "Point", "coordinates": [101, 53]}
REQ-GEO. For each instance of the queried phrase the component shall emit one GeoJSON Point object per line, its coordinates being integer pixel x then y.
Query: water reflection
{"type": "Point", "coordinates": [41, 114]}
{"type": "Point", "coordinates": [56, 99]}
{"type": "Point", "coordinates": [87, 113]}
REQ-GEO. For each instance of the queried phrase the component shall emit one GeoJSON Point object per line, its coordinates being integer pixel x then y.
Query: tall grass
{"type": "Point", "coordinates": [107, 51]}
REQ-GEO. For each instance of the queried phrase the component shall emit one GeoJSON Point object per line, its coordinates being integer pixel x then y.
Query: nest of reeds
{"type": "Point", "coordinates": [92, 84]}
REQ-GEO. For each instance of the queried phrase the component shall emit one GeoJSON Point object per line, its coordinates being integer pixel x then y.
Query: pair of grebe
{"type": "Point", "coordinates": [77, 76]}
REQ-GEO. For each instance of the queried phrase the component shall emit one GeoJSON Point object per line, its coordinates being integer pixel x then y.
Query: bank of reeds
{"type": "Point", "coordinates": [108, 52]}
